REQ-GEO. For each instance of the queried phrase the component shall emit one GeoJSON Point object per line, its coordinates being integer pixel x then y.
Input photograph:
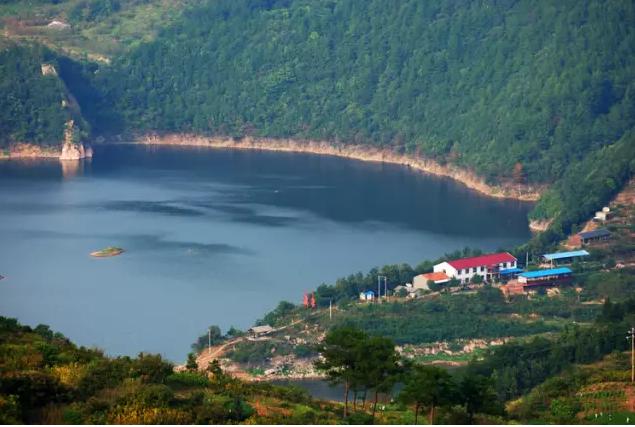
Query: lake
{"type": "Point", "coordinates": [214, 236]}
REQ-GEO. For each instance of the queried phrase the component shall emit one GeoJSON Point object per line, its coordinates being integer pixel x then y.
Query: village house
{"type": "Point", "coordinates": [421, 281]}
{"type": "Point", "coordinates": [586, 237]}
{"type": "Point", "coordinates": [367, 296]}
{"type": "Point", "coordinates": [486, 266]}
{"type": "Point", "coordinates": [258, 331]}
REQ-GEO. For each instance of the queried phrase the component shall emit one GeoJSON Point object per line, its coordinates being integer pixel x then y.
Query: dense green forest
{"type": "Point", "coordinates": [517, 91]}
{"type": "Point", "coordinates": [30, 103]}
{"type": "Point", "coordinates": [483, 85]}
{"type": "Point", "coordinates": [548, 87]}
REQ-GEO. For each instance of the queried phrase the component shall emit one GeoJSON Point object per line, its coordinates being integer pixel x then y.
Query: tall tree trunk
{"type": "Point", "coordinates": [346, 399]}
{"type": "Point", "coordinates": [375, 406]}
{"type": "Point", "coordinates": [432, 414]}
{"type": "Point", "coordinates": [416, 414]}
{"type": "Point", "coordinates": [355, 400]}
{"type": "Point", "coordinates": [364, 401]}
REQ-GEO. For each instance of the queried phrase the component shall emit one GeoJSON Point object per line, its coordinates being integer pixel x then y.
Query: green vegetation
{"type": "Point", "coordinates": [518, 367]}
{"type": "Point", "coordinates": [44, 378]}
{"type": "Point", "coordinates": [98, 29]}
{"type": "Point", "coordinates": [518, 92]}
{"type": "Point", "coordinates": [30, 103]}
{"type": "Point", "coordinates": [484, 314]}
{"type": "Point", "coordinates": [213, 336]}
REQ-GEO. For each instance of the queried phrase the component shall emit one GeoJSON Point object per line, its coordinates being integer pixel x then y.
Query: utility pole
{"type": "Point", "coordinates": [631, 336]}
{"type": "Point", "coordinates": [379, 287]}
{"type": "Point", "coordinates": [209, 340]}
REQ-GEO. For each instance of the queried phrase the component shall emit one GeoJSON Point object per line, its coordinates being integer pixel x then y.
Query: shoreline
{"type": "Point", "coordinates": [65, 152]}
{"type": "Point", "coordinates": [523, 193]}
{"type": "Point", "coordinates": [356, 152]}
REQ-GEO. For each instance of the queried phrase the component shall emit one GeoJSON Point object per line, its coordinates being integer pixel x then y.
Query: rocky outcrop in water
{"type": "Point", "coordinates": [72, 148]}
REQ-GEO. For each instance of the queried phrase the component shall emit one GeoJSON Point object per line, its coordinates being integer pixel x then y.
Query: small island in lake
{"type": "Point", "coordinates": [107, 252]}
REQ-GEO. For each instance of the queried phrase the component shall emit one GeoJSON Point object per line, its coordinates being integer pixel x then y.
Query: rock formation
{"type": "Point", "coordinates": [72, 148]}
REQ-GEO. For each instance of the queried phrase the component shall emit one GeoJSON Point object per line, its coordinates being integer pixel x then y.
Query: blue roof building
{"type": "Point", "coordinates": [367, 295]}
{"type": "Point", "coordinates": [564, 257]}
{"type": "Point", "coordinates": [510, 272]}
{"type": "Point", "coordinates": [549, 277]}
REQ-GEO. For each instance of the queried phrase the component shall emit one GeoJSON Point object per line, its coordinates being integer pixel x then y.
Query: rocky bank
{"type": "Point", "coordinates": [358, 152]}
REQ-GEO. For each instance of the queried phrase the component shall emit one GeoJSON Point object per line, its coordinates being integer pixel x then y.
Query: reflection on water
{"type": "Point", "coordinates": [214, 236]}
{"type": "Point", "coordinates": [72, 168]}
{"type": "Point", "coordinates": [322, 389]}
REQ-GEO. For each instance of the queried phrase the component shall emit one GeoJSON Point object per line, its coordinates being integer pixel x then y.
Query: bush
{"type": "Point", "coordinates": [187, 379]}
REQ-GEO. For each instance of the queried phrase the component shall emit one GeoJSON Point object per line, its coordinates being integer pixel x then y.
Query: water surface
{"type": "Point", "coordinates": [214, 236]}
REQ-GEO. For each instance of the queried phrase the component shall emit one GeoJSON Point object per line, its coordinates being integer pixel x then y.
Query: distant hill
{"type": "Point", "coordinates": [516, 91]}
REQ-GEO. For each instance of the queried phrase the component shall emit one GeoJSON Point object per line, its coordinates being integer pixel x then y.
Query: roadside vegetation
{"type": "Point", "coordinates": [45, 379]}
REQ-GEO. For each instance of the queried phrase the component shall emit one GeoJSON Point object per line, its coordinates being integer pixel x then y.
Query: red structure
{"type": "Point", "coordinates": [305, 301]}
{"type": "Point", "coordinates": [312, 300]}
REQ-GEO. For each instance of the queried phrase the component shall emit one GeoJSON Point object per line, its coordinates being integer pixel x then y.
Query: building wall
{"type": "Point", "coordinates": [465, 275]}
{"type": "Point", "coordinates": [446, 268]}
{"type": "Point", "coordinates": [420, 282]}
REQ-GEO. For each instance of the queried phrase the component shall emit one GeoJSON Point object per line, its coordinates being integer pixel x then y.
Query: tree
{"type": "Point", "coordinates": [377, 367]}
{"type": "Point", "coordinates": [477, 394]}
{"type": "Point", "coordinates": [434, 286]}
{"type": "Point", "coordinates": [427, 386]}
{"type": "Point", "coordinates": [340, 353]}
{"type": "Point", "coordinates": [477, 279]}
{"type": "Point", "coordinates": [191, 364]}
{"type": "Point", "coordinates": [202, 341]}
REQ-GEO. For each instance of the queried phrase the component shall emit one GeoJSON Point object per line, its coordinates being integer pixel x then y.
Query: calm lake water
{"type": "Point", "coordinates": [214, 237]}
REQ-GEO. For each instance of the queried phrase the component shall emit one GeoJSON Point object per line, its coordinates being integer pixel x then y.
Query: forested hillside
{"type": "Point", "coordinates": [516, 91]}
{"type": "Point", "coordinates": [30, 103]}
{"type": "Point", "coordinates": [484, 85]}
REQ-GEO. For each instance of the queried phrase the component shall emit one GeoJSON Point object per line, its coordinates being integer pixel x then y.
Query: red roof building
{"type": "Point", "coordinates": [482, 260]}
{"type": "Point", "coordinates": [486, 266]}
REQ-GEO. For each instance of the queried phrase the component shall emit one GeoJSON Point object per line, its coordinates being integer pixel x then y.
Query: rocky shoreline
{"type": "Point", "coordinates": [78, 151]}
{"type": "Point", "coordinates": [72, 151]}
{"type": "Point", "coordinates": [357, 152]}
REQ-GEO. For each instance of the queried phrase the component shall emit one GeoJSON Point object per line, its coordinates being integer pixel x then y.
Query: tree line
{"type": "Point", "coordinates": [369, 363]}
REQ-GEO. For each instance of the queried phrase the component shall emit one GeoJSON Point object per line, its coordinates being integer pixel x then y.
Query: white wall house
{"type": "Point", "coordinates": [486, 266]}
